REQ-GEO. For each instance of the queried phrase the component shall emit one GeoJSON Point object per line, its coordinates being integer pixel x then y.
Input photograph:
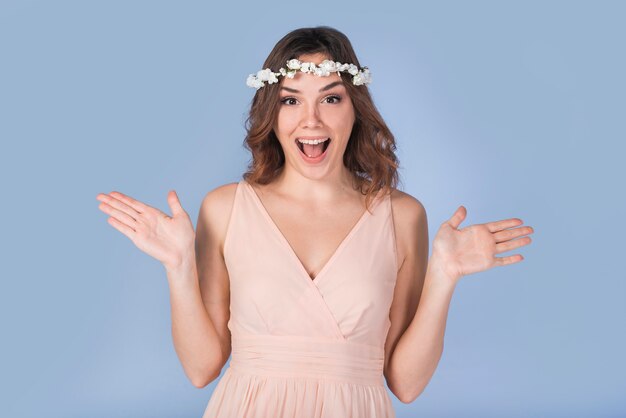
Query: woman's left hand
{"type": "Point", "coordinates": [459, 252]}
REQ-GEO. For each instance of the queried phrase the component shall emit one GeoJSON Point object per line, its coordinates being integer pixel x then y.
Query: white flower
{"type": "Point", "coordinates": [324, 69]}
{"type": "Point", "coordinates": [306, 67]}
{"type": "Point", "coordinates": [366, 75]}
{"type": "Point", "coordinates": [321, 72]}
{"type": "Point", "coordinates": [262, 75]}
{"type": "Point", "coordinates": [327, 67]}
{"type": "Point", "coordinates": [267, 75]}
{"type": "Point", "coordinates": [252, 81]}
{"type": "Point", "coordinates": [363, 77]}
{"type": "Point", "coordinates": [293, 64]}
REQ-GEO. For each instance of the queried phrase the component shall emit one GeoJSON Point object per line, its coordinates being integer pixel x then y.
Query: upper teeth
{"type": "Point", "coordinates": [312, 141]}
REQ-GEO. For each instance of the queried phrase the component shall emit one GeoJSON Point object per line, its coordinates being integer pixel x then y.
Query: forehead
{"type": "Point", "coordinates": [311, 83]}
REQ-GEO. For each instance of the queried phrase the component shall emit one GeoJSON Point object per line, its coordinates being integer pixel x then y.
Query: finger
{"type": "Point", "coordinates": [509, 234]}
{"type": "Point", "coordinates": [503, 261]}
{"type": "Point", "coordinates": [121, 216]}
{"type": "Point", "coordinates": [135, 204]}
{"type": "Point", "coordinates": [124, 229]}
{"type": "Point", "coordinates": [503, 224]}
{"type": "Point", "coordinates": [511, 245]}
{"type": "Point", "coordinates": [119, 205]}
{"type": "Point", "coordinates": [458, 217]}
{"type": "Point", "coordinates": [174, 202]}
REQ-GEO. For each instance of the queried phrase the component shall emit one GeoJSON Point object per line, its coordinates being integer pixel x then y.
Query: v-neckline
{"type": "Point", "coordinates": [288, 246]}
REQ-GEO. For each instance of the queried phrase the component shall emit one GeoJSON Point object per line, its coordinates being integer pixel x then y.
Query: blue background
{"type": "Point", "coordinates": [513, 109]}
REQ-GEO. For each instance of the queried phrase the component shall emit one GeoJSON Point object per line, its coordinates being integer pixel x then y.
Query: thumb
{"type": "Point", "coordinates": [175, 206]}
{"type": "Point", "coordinates": [458, 217]}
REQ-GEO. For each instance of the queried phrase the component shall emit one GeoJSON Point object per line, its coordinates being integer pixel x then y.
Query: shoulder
{"type": "Point", "coordinates": [215, 210]}
{"type": "Point", "coordinates": [406, 208]}
{"type": "Point", "coordinates": [410, 223]}
{"type": "Point", "coordinates": [220, 196]}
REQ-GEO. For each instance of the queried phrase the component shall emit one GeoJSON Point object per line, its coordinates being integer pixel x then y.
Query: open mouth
{"type": "Point", "coordinates": [311, 149]}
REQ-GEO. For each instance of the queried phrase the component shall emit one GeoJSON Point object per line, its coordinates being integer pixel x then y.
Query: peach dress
{"type": "Point", "coordinates": [305, 347]}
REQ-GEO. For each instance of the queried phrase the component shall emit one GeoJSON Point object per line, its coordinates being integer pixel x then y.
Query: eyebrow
{"type": "Point", "coordinates": [328, 87]}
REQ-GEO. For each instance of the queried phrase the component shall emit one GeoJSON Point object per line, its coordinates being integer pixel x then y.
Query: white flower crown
{"type": "Point", "coordinates": [327, 67]}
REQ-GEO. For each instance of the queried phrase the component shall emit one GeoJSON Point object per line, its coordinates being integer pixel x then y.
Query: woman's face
{"type": "Point", "coordinates": [314, 107]}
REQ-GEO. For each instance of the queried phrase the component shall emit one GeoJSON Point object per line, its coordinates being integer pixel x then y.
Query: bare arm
{"type": "Point", "coordinates": [411, 227]}
{"type": "Point", "coordinates": [456, 253]}
{"type": "Point", "coordinates": [195, 338]}
{"type": "Point", "coordinates": [200, 293]}
{"type": "Point", "coordinates": [196, 272]}
{"type": "Point", "coordinates": [419, 349]}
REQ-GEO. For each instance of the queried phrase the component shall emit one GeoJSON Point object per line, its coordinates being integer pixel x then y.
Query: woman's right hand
{"type": "Point", "coordinates": [168, 239]}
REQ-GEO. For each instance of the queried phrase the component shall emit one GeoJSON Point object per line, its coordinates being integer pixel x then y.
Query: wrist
{"type": "Point", "coordinates": [182, 264]}
{"type": "Point", "coordinates": [438, 271]}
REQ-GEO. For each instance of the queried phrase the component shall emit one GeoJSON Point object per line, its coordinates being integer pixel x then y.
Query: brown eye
{"type": "Point", "coordinates": [284, 101]}
{"type": "Point", "coordinates": [336, 98]}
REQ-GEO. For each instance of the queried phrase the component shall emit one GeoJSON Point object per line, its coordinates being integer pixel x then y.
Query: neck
{"type": "Point", "coordinates": [332, 187]}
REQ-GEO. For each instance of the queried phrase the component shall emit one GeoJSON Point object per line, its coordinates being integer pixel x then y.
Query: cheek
{"type": "Point", "coordinates": [342, 120]}
{"type": "Point", "coordinates": [343, 113]}
{"type": "Point", "coordinates": [286, 121]}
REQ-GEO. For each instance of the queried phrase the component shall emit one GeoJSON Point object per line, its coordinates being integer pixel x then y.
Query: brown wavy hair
{"type": "Point", "coordinates": [369, 155]}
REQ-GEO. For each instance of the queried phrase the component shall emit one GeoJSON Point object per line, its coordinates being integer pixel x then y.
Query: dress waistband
{"type": "Point", "coordinates": [293, 356]}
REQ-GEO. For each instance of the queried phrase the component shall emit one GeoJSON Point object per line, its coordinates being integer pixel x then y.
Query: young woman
{"type": "Point", "coordinates": [313, 270]}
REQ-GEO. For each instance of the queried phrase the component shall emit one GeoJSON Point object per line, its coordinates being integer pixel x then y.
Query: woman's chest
{"type": "Point", "coordinates": [314, 238]}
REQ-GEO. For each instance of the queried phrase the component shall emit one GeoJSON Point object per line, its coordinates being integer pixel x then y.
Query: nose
{"type": "Point", "coordinates": [311, 116]}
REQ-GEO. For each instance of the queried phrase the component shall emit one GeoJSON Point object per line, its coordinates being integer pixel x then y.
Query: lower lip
{"type": "Point", "coordinates": [316, 159]}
